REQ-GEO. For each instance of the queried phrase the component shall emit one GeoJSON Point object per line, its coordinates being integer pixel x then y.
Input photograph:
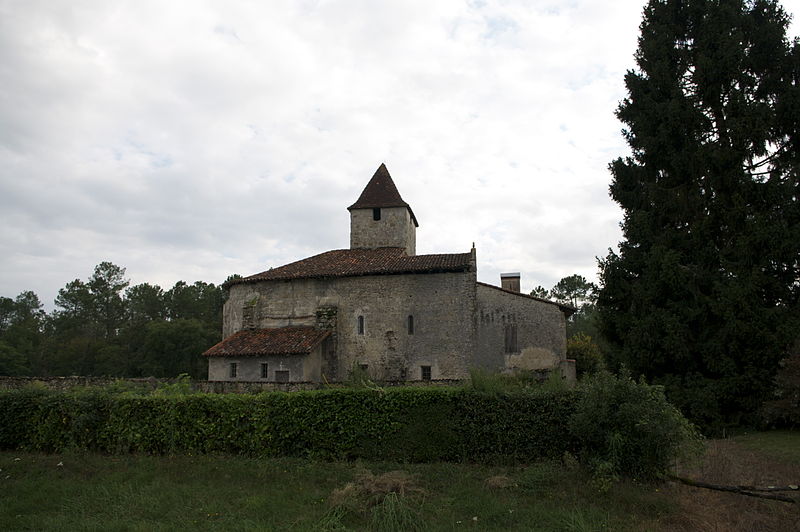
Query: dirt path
{"type": "Point", "coordinates": [730, 463]}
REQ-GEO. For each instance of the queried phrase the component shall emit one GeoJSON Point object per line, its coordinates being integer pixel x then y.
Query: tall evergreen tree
{"type": "Point", "coordinates": [703, 293]}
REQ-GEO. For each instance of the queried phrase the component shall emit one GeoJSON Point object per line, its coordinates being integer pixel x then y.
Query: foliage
{"type": "Point", "coordinates": [405, 424]}
{"type": "Point", "coordinates": [574, 290]}
{"type": "Point", "coordinates": [483, 381]}
{"type": "Point", "coordinates": [181, 386]}
{"type": "Point", "coordinates": [103, 327]}
{"type": "Point", "coordinates": [703, 294]}
{"type": "Point", "coordinates": [586, 353]}
{"type": "Point", "coordinates": [783, 408]}
{"type": "Point", "coordinates": [628, 428]}
{"type": "Point", "coordinates": [541, 291]}
{"type": "Point", "coordinates": [21, 325]}
{"type": "Point", "coordinates": [358, 377]}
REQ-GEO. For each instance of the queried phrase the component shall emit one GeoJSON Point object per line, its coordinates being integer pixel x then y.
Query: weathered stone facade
{"type": "Point", "coordinates": [441, 306]}
{"type": "Point", "coordinates": [395, 230]}
{"type": "Point", "coordinates": [396, 315]}
{"type": "Point", "coordinates": [515, 331]}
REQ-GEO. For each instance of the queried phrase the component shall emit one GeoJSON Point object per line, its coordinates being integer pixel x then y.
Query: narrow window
{"type": "Point", "coordinates": [410, 324]}
{"type": "Point", "coordinates": [426, 373]}
{"type": "Point", "coordinates": [361, 325]}
{"type": "Point", "coordinates": [376, 214]}
{"type": "Point", "coordinates": [282, 375]}
{"type": "Point", "coordinates": [511, 338]}
{"type": "Point", "coordinates": [233, 369]}
{"type": "Point", "coordinates": [264, 370]}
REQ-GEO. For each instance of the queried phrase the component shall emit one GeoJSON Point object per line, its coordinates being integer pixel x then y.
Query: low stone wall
{"type": "Point", "coordinates": [66, 383]}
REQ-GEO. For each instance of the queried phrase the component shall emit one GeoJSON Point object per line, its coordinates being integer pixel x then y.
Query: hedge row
{"type": "Point", "coordinates": [412, 424]}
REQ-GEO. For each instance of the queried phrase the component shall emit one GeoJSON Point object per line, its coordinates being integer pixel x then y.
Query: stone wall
{"type": "Point", "coordinates": [442, 306]}
{"type": "Point", "coordinates": [394, 229]}
{"type": "Point", "coordinates": [271, 304]}
{"type": "Point", "coordinates": [66, 383]}
{"type": "Point", "coordinates": [537, 329]}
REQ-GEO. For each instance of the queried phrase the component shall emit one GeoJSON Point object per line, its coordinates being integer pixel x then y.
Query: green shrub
{"type": "Point", "coordinates": [181, 386]}
{"type": "Point", "coordinates": [615, 425]}
{"type": "Point", "coordinates": [628, 428]}
{"type": "Point", "coordinates": [586, 353]}
{"type": "Point", "coordinates": [404, 424]}
{"type": "Point", "coordinates": [483, 381]}
{"type": "Point", "coordinates": [358, 378]}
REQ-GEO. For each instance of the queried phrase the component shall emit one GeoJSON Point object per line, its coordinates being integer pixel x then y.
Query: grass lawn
{"type": "Point", "coordinates": [782, 444]}
{"type": "Point", "coordinates": [94, 492]}
{"type": "Point", "coordinates": [82, 491]}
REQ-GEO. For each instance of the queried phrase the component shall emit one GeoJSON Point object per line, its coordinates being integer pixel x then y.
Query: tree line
{"type": "Point", "coordinates": [104, 326]}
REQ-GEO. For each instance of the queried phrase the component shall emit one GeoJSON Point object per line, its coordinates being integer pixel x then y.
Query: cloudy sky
{"type": "Point", "coordinates": [191, 140]}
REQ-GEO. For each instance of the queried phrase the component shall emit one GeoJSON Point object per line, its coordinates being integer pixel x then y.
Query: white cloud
{"type": "Point", "coordinates": [191, 140]}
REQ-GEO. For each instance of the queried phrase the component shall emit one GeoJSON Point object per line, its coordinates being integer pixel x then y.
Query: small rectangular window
{"type": "Point", "coordinates": [282, 375]}
{"type": "Point", "coordinates": [233, 370]}
{"type": "Point", "coordinates": [361, 325]}
{"type": "Point", "coordinates": [410, 324]}
{"type": "Point", "coordinates": [264, 370]}
{"type": "Point", "coordinates": [511, 338]}
{"type": "Point", "coordinates": [376, 214]}
{"type": "Point", "coordinates": [426, 373]}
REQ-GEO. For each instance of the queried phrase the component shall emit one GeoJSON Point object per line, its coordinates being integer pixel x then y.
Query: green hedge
{"type": "Point", "coordinates": [407, 424]}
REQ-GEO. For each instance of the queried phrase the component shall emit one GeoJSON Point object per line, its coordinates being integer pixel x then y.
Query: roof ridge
{"type": "Point", "coordinates": [358, 262]}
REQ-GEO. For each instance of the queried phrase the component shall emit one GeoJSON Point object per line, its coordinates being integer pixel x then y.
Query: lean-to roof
{"type": "Point", "coordinates": [298, 340]}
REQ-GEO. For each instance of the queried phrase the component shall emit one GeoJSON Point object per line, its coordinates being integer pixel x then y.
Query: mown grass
{"type": "Point", "coordinates": [782, 444]}
{"type": "Point", "coordinates": [131, 493]}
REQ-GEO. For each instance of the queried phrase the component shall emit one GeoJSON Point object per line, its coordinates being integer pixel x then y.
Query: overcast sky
{"type": "Point", "coordinates": [188, 140]}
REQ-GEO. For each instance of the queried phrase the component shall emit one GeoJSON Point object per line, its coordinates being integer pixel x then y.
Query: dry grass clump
{"type": "Point", "coordinates": [500, 482]}
{"type": "Point", "coordinates": [386, 500]}
{"type": "Point", "coordinates": [368, 489]}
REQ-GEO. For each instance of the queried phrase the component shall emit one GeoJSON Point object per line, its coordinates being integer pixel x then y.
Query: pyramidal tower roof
{"type": "Point", "coordinates": [381, 192]}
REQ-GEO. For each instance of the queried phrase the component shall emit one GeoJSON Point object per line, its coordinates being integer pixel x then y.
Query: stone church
{"type": "Point", "coordinates": [380, 307]}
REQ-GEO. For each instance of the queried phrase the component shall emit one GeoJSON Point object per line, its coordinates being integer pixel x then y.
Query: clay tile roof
{"type": "Point", "coordinates": [356, 262]}
{"type": "Point", "coordinates": [281, 341]}
{"type": "Point", "coordinates": [381, 192]}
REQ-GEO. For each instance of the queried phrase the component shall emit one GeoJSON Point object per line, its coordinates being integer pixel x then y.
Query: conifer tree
{"type": "Point", "coordinates": [702, 295]}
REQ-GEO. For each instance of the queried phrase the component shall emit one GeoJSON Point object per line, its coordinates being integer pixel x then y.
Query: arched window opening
{"type": "Point", "coordinates": [361, 325]}
{"type": "Point", "coordinates": [410, 324]}
{"type": "Point", "coordinates": [376, 214]}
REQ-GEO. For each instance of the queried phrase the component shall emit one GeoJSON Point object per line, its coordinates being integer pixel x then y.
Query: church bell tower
{"type": "Point", "coordinates": [380, 218]}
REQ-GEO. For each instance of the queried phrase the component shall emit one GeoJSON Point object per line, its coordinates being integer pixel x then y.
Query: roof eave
{"type": "Point", "coordinates": [568, 310]}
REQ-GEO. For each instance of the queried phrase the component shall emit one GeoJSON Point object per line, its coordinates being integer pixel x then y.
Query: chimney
{"type": "Point", "coordinates": [510, 281]}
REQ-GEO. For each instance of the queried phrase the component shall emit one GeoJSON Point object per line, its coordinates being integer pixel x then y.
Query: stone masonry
{"type": "Point", "coordinates": [394, 314]}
